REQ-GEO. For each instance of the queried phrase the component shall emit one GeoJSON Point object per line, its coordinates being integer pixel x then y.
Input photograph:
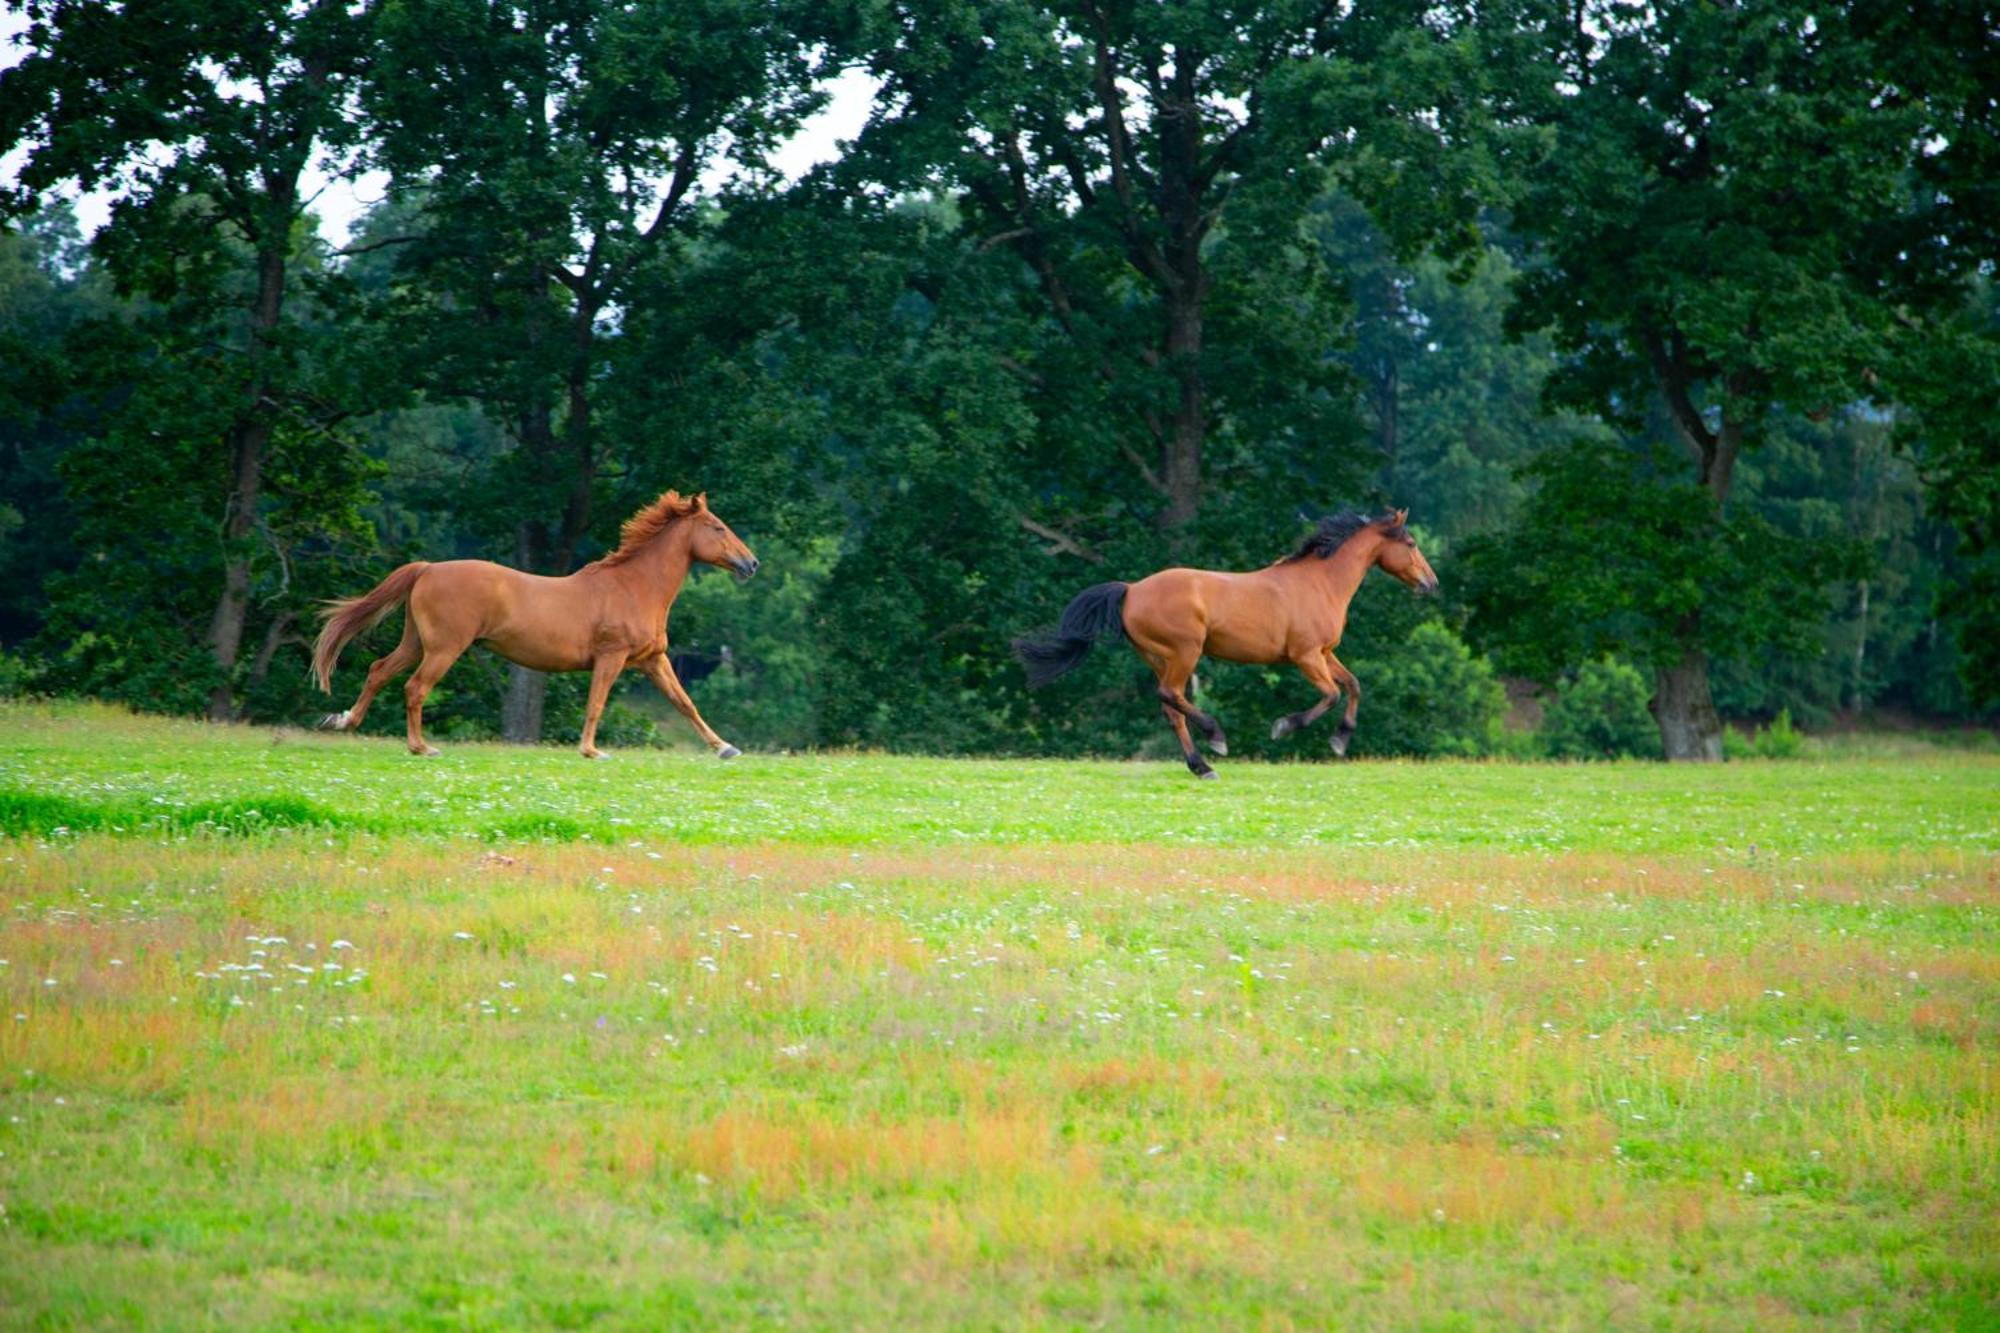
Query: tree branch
{"type": "Point", "coordinates": [1060, 542]}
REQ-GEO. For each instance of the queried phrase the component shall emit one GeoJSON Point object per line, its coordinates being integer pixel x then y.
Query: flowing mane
{"type": "Point", "coordinates": [1336, 531]}
{"type": "Point", "coordinates": [649, 523]}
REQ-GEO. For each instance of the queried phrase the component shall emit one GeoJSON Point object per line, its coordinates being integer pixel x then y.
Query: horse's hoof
{"type": "Point", "coordinates": [335, 721]}
{"type": "Point", "coordinates": [1339, 746]}
{"type": "Point", "coordinates": [1208, 775]}
{"type": "Point", "coordinates": [1218, 745]}
{"type": "Point", "coordinates": [727, 752]}
{"type": "Point", "coordinates": [1282, 728]}
{"type": "Point", "coordinates": [594, 754]}
{"type": "Point", "coordinates": [428, 752]}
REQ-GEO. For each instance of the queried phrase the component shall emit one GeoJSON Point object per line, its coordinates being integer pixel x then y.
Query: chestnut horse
{"type": "Point", "coordinates": [1292, 611]}
{"type": "Point", "coordinates": [607, 616]}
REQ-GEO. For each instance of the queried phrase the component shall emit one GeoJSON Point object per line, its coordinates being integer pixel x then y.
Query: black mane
{"type": "Point", "coordinates": [1334, 532]}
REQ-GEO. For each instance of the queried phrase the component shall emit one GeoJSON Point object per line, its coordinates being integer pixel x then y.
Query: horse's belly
{"type": "Point", "coordinates": [1254, 645]}
{"type": "Point", "coordinates": [537, 655]}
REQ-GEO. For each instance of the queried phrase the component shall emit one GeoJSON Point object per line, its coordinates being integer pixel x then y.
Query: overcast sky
{"type": "Point", "coordinates": [340, 202]}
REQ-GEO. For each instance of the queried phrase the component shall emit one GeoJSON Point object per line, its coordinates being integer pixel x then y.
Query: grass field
{"type": "Point", "coordinates": [298, 1030]}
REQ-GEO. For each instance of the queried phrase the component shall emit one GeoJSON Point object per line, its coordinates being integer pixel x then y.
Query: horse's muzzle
{"type": "Point", "coordinates": [745, 567]}
{"type": "Point", "coordinates": [1428, 586]}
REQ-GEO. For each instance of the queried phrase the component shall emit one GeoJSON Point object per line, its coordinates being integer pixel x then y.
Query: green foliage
{"type": "Point", "coordinates": [1432, 699]}
{"type": "Point", "coordinates": [1614, 555]}
{"type": "Point", "coordinates": [765, 688]}
{"type": "Point", "coordinates": [1600, 713]}
{"type": "Point", "coordinates": [1090, 294]}
{"type": "Point", "coordinates": [1779, 740]}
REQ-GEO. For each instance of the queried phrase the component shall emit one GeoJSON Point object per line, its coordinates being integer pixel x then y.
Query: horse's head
{"type": "Point", "coordinates": [1399, 557]}
{"type": "Point", "coordinates": [713, 543]}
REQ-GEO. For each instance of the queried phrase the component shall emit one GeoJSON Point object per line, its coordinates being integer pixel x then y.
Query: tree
{"type": "Point", "coordinates": [561, 149]}
{"type": "Point", "coordinates": [1152, 168]}
{"type": "Point", "coordinates": [47, 288]}
{"type": "Point", "coordinates": [1734, 217]}
{"type": "Point", "coordinates": [204, 117]}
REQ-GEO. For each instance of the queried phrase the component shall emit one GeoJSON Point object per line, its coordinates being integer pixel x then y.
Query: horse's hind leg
{"type": "Point", "coordinates": [1196, 764]}
{"type": "Point", "coordinates": [1315, 669]}
{"type": "Point", "coordinates": [1211, 729]}
{"type": "Point", "coordinates": [437, 660]}
{"type": "Point", "coordinates": [1174, 676]}
{"type": "Point", "coordinates": [383, 670]}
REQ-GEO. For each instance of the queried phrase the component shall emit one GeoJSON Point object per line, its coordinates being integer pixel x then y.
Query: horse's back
{"type": "Point", "coordinates": [1238, 616]}
{"type": "Point", "coordinates": [528, 618]}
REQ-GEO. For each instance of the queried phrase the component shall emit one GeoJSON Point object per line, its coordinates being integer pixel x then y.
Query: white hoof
{"type": "Point", "coordinates": [1219, 747]}
{"type": "Point", "coordinates": [428, 752]}
{"type": "Point", "coordinates": [1281, 728]}
{"type": "Point", "coordinates": [336, 721]}
{"type": "Point", "coordinates": [727, 751]}
{"type": "Point", "coordinates": [595, 754]}
{"type": "Point", "coordinates": [1209, 776]}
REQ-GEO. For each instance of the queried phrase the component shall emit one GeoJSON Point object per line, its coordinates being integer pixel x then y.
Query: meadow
{"type": "Point", "coordinates": [300, 1030]}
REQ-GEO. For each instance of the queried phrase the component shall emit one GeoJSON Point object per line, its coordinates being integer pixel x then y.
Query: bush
{"type": "Point", "coordinates": [1779, 740]}
{"type": "Point", "coordinates": [17, 677]}
{"type": "Point", "coordinates": [1601, 713]}
{"type": "Point", "coordinates": [1431, 698]}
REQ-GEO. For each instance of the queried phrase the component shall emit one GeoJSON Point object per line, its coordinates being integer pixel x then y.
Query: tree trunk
{"type": "Point", "coordinates": [1857, 690]}
{"type": "Point", "coordinates": [521, 707]}
{"type": "Point", "coordinates": [1181, 470]}
{"type": "Point", "coordinates": [249, 440]}
{"type": "Point", "coordinates": [1690, 729]}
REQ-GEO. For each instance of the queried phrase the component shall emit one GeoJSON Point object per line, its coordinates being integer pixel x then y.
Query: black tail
{"type": "Point", "coordinates": [1091, 614]}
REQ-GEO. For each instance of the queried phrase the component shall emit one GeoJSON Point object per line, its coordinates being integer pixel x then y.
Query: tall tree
{"type": "Point", "coordinates": [1734, 218]}
{"type": "Point", "coordinates": [1111, 147]}
{"type": "Point", "coordinates": [205, 118]}
{"type": "Point", "coordinates": [560, 148]}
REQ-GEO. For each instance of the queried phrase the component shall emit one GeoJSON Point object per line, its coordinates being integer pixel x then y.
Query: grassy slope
{"type": "Point", "coordinates": [845, 1039]}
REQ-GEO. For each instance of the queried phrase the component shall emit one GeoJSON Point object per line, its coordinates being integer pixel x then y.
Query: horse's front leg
{"type": "Point", "coordinates": [1314, 667]}
{"type": "Point", "coordinates": [1350, 687]}
{"type": "Point", "coordinates": [603, 671]}
{"type": "Point", "coordinates": [661, 672]}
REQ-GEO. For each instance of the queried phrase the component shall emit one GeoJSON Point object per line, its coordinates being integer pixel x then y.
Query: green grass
{"type": "Point", "coordinates": [98, 770]}
{"type": "Point", "coordinates": [507, 1039]}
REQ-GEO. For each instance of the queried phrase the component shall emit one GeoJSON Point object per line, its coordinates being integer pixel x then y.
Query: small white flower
{"type": "Point", "coordinates": [569, 977]}
{"type": "Point", "coordinates": [461, 934]}
{"type": "Point", "coordinates": [340, 944]}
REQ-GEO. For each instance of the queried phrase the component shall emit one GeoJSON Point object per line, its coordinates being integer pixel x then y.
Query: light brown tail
{"type": "Point", "coordinates": [353, 615]}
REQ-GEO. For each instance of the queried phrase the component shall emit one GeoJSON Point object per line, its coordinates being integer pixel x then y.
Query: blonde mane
{"type": "Point", "coordinates": [649, 523]}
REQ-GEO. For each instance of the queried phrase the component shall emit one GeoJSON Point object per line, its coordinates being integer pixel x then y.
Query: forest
{"type": "Point", "coordinates": [1672, 325]}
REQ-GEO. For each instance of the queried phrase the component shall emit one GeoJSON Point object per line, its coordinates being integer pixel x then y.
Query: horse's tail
{"type": "Point", "coordinates": [1091, 614]}
{"type": "Point", "coordinates": [350, 616]}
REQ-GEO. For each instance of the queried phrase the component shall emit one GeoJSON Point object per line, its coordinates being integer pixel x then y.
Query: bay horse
{"type": "Point", "coordinates": [607, 616]}
{"type": "Point", "coordinates": [1292, 611]}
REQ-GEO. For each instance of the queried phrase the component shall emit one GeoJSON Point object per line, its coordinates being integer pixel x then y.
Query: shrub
{"type": "Point", "coordinates": [1431, 698]}
{"type": "Point", "coordinates": [1779, 740]}
{"type": "Point", "coordinates": [1601, 713]}
{"type": "Point", "coordinates": [17, 676]}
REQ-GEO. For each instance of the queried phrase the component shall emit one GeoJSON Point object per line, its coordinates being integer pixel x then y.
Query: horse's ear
{"type": "Point", "coordinates": [700, 501]}
{"type": "Point", "coordinates": [1402, 517]}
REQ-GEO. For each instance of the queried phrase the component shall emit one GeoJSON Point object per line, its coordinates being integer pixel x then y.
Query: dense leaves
{"type": "Point", "coordinates": [1666, 322]}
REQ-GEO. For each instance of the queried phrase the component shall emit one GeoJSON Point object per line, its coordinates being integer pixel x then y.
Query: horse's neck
{"type": "Point", "coordinates": [1341, 573]}
{"type": "Point", "coordinates": [664, 564]}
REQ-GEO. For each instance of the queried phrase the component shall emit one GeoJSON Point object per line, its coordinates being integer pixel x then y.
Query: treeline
{"type": "Point", "coordinates": [1673, 326]}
